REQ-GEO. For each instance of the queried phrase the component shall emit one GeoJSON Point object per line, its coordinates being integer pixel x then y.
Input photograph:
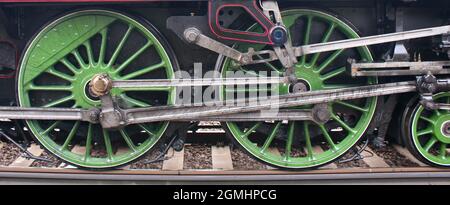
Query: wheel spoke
{"type": "Point", "coordinates": [134, 101]}
{"type": "Point", "coordinates": [143, 71]}
{"type": "Point", "coordinates": [128, 140]}
{"type": "Point", "coordinates": [329, 60]}
{"type": "Point", "coordinates": [342, 123]}
{"type": "Point", "coordinates": [49, 87]}
{"type": "Point", "coordinates": [251, 130]}
{"type": "Point", "coordinates": [307, 36]}
{"type": "Point", "coordinates": [349, 105]}
{"type": "Point", "coordinates": [87, 154]}
{"type": "Point", "coordinates": [270, 65]}
{"type": "Point", "coordinates": [309, 147]}
{"type": "Point", "coordinates": [59, 101]}
{"type": "Point", "coordinates": [328, 137]}
{"type": "Point", "coordinates": [89, 52]}
{"type": "Point", "coordinates": [443, 150]}
{"type": "Point", "coordinates": [425, 132]}
{"type": "Point", "coordinates": [145, 128]}
{"type": "Point", "coordinates": [252, 73]}
{"type": "Point", "coordinates": [70, 136]}
{"type": "Point", "coordinates": [427, 119]}
{"type": "Point", "coordinates": [70, 66]}
{"type": "Point", "coordinates": [290, 139]}
{"type": "Point", "coordinates": [108, 145]}
{"type": "Point", "coordinates": [120, 46]}
{"type": "Point", "coordinates": [50, 128]}
{"type": "Point", "coordinates": [133, 57]}
{"type": "Point", "coordinates": [104, 35]}
{"type": "Point", "coordinates": [333, 73]}
{"type": "Point", "coordinates": [79, 58]}
{"type": "Point", "coordinates": [437, 112]}
{"type": "Point", "coordinates": [325, 39]}
{"type": "Point", "coordinates": [271, 137]}
{"type": "Point", "coordinates": [288, 21]}
{"type": "Point", "coordinates": [61, 75]}
{"type": "Point", "coordinates": [430, 143]}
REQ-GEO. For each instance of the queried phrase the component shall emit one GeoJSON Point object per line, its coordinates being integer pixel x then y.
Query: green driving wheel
{"type": "Point", "coordinates": [429, 133]}
{"type": "Point", "coordinates": [58, 65]}
{"type": "Point", "coordinates": [304, 144]}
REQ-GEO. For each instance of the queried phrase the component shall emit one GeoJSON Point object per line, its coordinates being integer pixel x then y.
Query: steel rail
{"type": "Point", "coordinates": [414, 175]}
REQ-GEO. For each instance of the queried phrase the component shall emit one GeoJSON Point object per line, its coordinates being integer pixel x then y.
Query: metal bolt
{"type": "Point", "coordinates": [246, 59]}
{"type": "Point", "coordinates": [299, 87]}
{"type": "Point", "coordinates": [446, 129]}
{"type": "Point", "coordinates": [93, 117]}
{"type": "Point", "coordinates": [321, 113]}
{"type": "Point", "coordinates": [100, 85]}
{"type": "Point", "coordinates": [191, 35]}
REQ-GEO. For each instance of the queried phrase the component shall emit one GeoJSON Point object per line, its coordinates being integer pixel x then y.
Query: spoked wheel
{"type": "Point", "coordinates": [429, 133]}
{"type": "Point", "coordinates": [58, 65]}
{"type": "Point", "coordinates": [305, 144]}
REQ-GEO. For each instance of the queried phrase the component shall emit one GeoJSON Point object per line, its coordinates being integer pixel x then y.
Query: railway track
{"type": "Point", "coordinates": [206, 163]}
{"type": "Point", "coordinates": [412, 175]}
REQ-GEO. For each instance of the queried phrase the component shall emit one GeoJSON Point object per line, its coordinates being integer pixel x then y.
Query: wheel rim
{"type": "Point", "coordinates": [431, 132]}
{"type": "Point", "coordinates": [303, 146]}
{"type": "Point", "coordinates": [58, 65]}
